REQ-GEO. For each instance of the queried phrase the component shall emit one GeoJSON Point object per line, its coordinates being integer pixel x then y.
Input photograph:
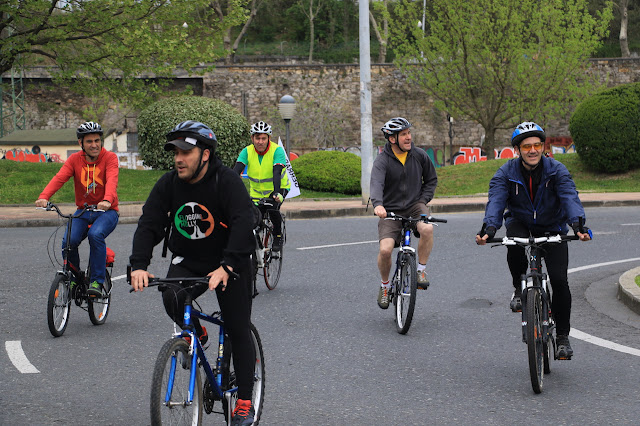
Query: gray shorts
{"type": "Point", "coordinates": [392, 228]}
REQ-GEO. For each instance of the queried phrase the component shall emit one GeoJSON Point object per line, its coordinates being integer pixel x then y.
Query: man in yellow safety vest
{"type": "Point", "coordinates": [265, 162]}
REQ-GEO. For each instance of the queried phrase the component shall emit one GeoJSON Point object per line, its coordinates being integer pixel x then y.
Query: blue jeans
{"type": "Point", "coordinates": [102, 224]}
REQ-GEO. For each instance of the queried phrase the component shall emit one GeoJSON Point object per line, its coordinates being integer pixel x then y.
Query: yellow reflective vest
{"type": "Point", "coordinates": [261, 174]}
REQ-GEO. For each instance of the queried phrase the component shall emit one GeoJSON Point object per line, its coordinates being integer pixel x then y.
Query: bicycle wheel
{"type": "Point", "coordinates": [272, 261]}
{"type": "Point", "coordinates": [99, 306]}
{"type": "Point", "coordinates": [229, 376]}
{"type": "Point", "coordinates": [405, 299]}
{"type": "Point", "coordinates": [535, 344]}
{"type": "Point", "coordinates": [170, 387]}
{"type": "Point", "coordinates": [58, 305]}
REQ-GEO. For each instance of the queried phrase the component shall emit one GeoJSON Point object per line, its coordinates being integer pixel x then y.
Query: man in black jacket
{"type": "Point", "coordinates": [403, 181]}
{"type": "Point", "coordinates": [211, 222]}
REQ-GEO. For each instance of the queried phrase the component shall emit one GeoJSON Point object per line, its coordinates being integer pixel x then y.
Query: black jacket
{"type": "Point", "coordinates": [398, 187]}
{"type": "Point", "coordinates": [211, 221]}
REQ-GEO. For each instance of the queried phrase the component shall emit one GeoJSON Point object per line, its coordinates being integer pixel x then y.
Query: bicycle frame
{"type": "Point", "coordinates": [214, 379]}
{"type": "Point", "coordinates": [536, 279]}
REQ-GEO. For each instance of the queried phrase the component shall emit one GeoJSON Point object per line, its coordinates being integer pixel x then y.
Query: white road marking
{"type": "Point", "coordinates": [18, 358]}
{"type": "Point", "coordinates": [630, 224]}
{"type": "Point", "coordinates": [119, 277]}
{"type": "Point", "coordinates": [337, 245]}
{"type": "Point", "coordinates": [604, 343]}
{"type": "Point", "coordinates": [596, 340]}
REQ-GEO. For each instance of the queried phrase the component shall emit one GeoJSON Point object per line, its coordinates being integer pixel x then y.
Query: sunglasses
{"type": "Point", "coordinates": [528, 147]}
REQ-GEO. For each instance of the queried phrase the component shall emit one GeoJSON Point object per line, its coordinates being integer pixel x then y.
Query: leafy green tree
{"type": "Point", "coordinates": [102, 47]}
{"type": "Point", "coordinates": [499, 63]}
{"type": "Point", "coordinates": [230, 127]}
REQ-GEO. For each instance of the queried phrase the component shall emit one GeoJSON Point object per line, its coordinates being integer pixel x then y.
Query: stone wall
{"type": "Point", "coordinates": [252, 88]}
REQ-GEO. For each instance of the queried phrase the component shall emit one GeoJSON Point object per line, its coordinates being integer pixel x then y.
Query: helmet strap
{"type": "Point", "coordinates": [202, 163]}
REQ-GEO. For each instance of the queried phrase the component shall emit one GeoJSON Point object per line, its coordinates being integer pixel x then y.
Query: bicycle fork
{"type": "Point", "coordinates": [527, 284]}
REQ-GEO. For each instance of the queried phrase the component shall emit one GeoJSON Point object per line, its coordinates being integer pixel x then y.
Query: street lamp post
{"type": "Point", "coordinates": [287, 108]}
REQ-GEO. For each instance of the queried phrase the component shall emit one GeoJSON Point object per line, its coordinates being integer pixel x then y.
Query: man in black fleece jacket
{"type": "Point", "coordinates": [403, 181]}
{"type": "Point", "coordinates": [210, 215]}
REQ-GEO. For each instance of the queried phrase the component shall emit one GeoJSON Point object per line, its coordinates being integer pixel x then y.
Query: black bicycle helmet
{"type": "Point", "coordinates": [88, 128]}
{"type": "Point", "coordinates": [395, 125]}
{"type": "Point", "coordinates": [526, 130]}
{"type": "Point", "coordinates": [190, 134]}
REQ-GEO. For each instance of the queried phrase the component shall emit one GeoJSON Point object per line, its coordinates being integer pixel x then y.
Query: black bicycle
{"type": "Point", "coordinates": [178, 396]}
{"type": "Point", "coordinates": [266, 261]}
{"type": "Point", "coordinates": [537, 319]}
{"type": "Point", "coordinates": [61, 293]}
{"type": "Point", "coordinates": [404, 284]}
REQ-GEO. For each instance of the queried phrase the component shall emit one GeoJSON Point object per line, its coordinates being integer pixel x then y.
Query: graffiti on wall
{"type": "Point", "coordinates": [30, 156]}
{"type": "Point", "coordinates": [475, 154]}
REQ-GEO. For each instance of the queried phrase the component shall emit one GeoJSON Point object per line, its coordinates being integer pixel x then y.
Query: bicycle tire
{"type": "Point", "coordinates": [99, 306]}
{"type": "Point", "coordinates": [176, 412]}
{"type": "Point", "coordinates": [58, 305]}
{"type": "Point", "coordinates": [405, 299]}
{"type": "Point", "coordinates": [272, 261]}
{"type": "Point", "coordinates": [535, 348]}
{"type": "Point", "coordinates": [229, 376]}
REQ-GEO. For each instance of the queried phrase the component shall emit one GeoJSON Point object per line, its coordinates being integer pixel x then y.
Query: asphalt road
{"type": "Point", "coordinates": [332, 356]}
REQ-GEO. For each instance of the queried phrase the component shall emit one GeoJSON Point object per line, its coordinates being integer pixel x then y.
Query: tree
{"type": "Point", "coordinates": [382, 31]}
{"type": "Point", "coordinates": [624, 21]}
{"type": "Point", "coordinates": [499, 63]}
{"type": "Point", "coordinates": [234, 9]}
{"type": "Point", "coordinates": [307, 8]}
{"type": "Point", "coordinates": [103, 47]}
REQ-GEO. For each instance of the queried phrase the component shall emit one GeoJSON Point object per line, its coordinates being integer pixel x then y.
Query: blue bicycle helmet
{"type": "Point", "coordinates": [190, 134]}
{"type": "Point", "coordinates": [526, 130]}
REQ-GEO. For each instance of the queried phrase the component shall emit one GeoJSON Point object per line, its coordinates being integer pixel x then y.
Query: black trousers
{"type": "Point", "coordinates": [235, 305]}
{"type": "Point", "coordinates": [556, 259]}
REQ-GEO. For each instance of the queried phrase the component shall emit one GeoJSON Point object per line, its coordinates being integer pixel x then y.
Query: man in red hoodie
{"type": "Point", "coordinates": [95, 176]}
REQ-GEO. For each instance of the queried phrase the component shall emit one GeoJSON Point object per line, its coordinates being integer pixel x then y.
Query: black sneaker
{"type": "Point", "coordinates": [277, 243]}
{"type": "Point", "coordinates": [95, 289]}
{"type": "Point", "coordinates": [563, 347]}
{"type": "Point", "coordinates": [516, 301]}
{"type": "Point", "coordinates": [243, 414]}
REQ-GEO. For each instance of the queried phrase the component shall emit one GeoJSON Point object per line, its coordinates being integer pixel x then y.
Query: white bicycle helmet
{"type": "Point", "coordinates": [88, 128]}
{"type": "Point", "coordinates": [395, 125]}
{"type": "Point", "coordinates": [260, 127]}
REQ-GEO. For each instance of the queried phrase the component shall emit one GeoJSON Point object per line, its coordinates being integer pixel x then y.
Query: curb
{"type": "Point", "coordinates": [628, 291]}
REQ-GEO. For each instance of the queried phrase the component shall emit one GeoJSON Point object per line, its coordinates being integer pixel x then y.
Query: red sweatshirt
{"type": "Point", "coordinates": [93, 182]}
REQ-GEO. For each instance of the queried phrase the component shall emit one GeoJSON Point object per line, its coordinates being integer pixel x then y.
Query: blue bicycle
{"type": "Point", "coordinates": [178, 396]}
{"type": "Point", "coordinates": [404, 284]}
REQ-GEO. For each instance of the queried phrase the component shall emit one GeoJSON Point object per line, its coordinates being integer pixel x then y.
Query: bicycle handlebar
{"type": "Point", "coordinates": [423, 218]}
{"type": "Point", "coordinates": [513, 241]}
{"type": "Point", "coordinates": [53, 207]}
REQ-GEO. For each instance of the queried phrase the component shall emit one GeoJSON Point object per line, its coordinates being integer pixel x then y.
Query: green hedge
{"type": "Point", "coordinates": [606, 129]}
{"type": "Point", "coordinates": [329, 171]}
{"type": "Point", "coordinates": [230, 127]}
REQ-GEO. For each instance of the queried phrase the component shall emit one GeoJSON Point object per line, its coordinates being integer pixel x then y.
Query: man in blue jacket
{"type": "Point", "coordinates": [539, 196]}
{"type": "Point", "coordinates": [403, 181]}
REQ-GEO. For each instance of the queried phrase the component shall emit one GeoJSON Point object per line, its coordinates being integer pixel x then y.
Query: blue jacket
{"type": "Point", "coordinates": [555, 205]}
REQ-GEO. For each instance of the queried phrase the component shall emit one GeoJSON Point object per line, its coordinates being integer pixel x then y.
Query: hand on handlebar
{"type": "Point", "coordinates": [42, 202]}
{"type": "Point", "coordinates": [218, 277]}
{"type": "Point", "coordinates": [104, 205]}
{"type": "Point", "coordinates": [140, 279]}
{"type": "Point", "coordinates": [380, 211]}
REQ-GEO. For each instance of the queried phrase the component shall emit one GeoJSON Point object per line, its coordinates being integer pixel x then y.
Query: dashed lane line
{"type": "Point", "coordinates": [337, 245]}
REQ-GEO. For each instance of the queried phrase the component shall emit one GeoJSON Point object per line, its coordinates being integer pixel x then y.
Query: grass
{"type": "Point", "coordinates": [638, 280]}
{"type": "Point", "coordinates": [21, 183]}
